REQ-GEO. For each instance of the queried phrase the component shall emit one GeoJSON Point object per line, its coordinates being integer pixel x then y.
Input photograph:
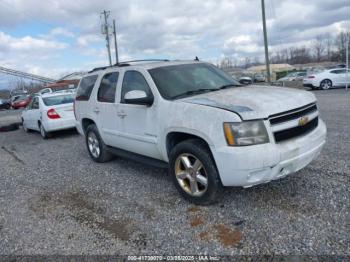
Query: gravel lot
{"type": "Point", "coordinates": [55, 200]}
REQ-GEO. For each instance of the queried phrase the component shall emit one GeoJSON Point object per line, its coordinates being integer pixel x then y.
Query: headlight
{"type": "Point", "coordinates": [246, 133]}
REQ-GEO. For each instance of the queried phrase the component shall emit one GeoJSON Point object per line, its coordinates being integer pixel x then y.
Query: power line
{"type": "Point", "coordinates": [17, 73]}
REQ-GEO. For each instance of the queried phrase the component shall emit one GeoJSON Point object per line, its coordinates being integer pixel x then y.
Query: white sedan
{"type": "Point", "coordinates": [49, 112]}
{"type": "Point", "coordinates": [328, 79]}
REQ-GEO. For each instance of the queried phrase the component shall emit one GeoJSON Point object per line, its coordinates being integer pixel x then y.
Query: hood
{"type": "Point", "coordinates": [254, 102]}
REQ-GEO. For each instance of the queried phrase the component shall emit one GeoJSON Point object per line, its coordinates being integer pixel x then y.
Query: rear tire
{"type": "Point", "coordinates": [97, 148]}
{"type": "Point", "coordinates": [194, 172]}
{"type": "Point", "coordinates": [43, 133]}
{"type": "Point", "coordinates": [326, 84]}
{"type": "Point", "coordinates": [24, 127]}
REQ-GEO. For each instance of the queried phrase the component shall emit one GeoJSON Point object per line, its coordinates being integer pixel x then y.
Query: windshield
{"type": "Point", "coordinates": [189, 79]}
{"type": "Point", "coordinates": [58, 100]}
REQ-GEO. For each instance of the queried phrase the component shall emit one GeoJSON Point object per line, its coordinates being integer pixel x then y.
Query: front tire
{"type": "Point", "coordinates": [194, 172]}
{"type": "Point", "coordinates": [326, 84]}
{"type": "Point", "coordinates": [97, 148]}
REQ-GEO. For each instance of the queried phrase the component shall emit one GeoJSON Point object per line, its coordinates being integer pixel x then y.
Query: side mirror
{"type": "Point", "coordinates": [138, 97]}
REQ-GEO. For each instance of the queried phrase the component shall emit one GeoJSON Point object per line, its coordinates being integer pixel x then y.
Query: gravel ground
{"type": "Point", "coordinates": [55, 200]}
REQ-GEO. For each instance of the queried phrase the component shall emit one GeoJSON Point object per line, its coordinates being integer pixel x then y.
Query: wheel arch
{"type": "Point", "coordinates": [85, 122]}
{"type": "Point", "coordinates": [175, 137]}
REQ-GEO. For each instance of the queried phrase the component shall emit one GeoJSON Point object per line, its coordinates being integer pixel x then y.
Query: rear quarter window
{"type": "Point", "coordinates": [85, 88]}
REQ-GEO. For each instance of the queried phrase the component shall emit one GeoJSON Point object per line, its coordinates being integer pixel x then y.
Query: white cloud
{"type": "Point", "coordinates": [59, 31]}
{"type": "Point", "coordinates": [86, 40]}
{"type": "Point", "coordinates": [162, 28]}
{"type": "Point", "coordinates": [28, 43]}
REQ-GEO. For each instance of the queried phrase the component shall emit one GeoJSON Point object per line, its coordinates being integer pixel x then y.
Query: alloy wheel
{"type": "Point", "coordinates": [42, 131]}
{"type": "Point", "coordinates": [326, 84]}
{"type": "Point", "coordinates": [191, 174]}
{"type": "Point", "coordinates": [93, 144]}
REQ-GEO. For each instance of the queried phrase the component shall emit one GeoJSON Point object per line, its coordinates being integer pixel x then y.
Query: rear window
{"type": "Point", "coordinates": [85, 88]}
{"type": "Point", "coordinates": [21, 98]}
{"type": "Point", "coordinates": [58, 100]}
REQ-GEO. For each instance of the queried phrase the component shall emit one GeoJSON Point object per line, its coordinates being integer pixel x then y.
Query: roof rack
{"type": "Point", "coordinates": [127, 63]}
{"type": "Point", "coordinates": [143, 60]}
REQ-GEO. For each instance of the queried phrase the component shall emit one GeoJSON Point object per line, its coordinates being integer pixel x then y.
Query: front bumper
{"type": "Point", "coordinates": [252, 165]}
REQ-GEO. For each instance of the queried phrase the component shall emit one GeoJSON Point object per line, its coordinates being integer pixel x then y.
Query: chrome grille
{"type": "Point", "coordinates": [294, 123]}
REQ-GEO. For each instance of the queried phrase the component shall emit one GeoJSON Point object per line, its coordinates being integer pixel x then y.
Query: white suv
{"type": "Point", "coordinates": [202, 124]}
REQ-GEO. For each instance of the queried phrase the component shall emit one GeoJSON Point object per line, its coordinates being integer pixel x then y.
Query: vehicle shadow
{"type": "Point", "coordinates": [64, 134]}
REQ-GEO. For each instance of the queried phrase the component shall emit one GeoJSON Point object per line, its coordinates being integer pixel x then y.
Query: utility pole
{"type": "Point", "coordinates": [265, 42]}
{"type": "Point", "coordinates": [115, 43]}
{"type": "Point", "coordinates": [347, 61]}
{"type": "Point", "coordinates": [105, 31]}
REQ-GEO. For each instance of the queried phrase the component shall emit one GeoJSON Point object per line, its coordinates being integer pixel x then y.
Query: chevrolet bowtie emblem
{"type": "Point", "coordinates": [303, 121]}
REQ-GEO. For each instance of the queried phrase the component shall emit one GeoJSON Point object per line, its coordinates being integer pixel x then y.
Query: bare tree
{"type": "Point", "coordinates": [329, 43]}
{"type": "Point", "coordinates": [247, 62]}
{"type": "Point", "coordinates": [324, 47]}
{"type": "Point", "coordinates": [340, 43]}
{"type": "Point", "coordinates": [319, 47]}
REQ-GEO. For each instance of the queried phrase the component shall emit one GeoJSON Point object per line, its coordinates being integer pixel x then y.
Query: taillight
{"type": "Point", "coordinates": [52, 114]}
{"type": "Point", "coordinates": [311, 77]}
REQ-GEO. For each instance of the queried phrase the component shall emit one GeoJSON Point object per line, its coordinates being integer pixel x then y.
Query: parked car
{"type": "Point", "coordinates": [5, 104]}
{"type": "Point", "coordinates": [294, 76]}
{"type": "Point", "coordinates": [21, 101]}
{"type": "Point", "coordinates": [194, 119]}
{"type": "Point", "coordinates": [328, 79]}
{"type": "Point", "coordinates": [245, 80]}
{"type": "Point", "coordinates": [49, 112]}
{"type": "Point", "coordinates": [45, 91]}
{"type": "Point", "coordinates": [259, 78]}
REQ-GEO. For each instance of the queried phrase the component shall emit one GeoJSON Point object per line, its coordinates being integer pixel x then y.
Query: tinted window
{"type": "Point", "coordinates": [339, 71]}
{"type": "Point", "coordinates": [179, 80]}
{"type": "Point", "coordinates": [35, 104]}
{"type": "Point", "coordinates": [58, 100]}
{"type": "Point", "coordinates": [106, 91]}
{"type": "Point", "coordinates": [85, 88]}
{"type": "Point", "coordinates": [134, 80]}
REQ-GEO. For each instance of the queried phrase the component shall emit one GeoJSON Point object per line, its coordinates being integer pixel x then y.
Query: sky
{"type": "Point", "coordinates": [56, 37]}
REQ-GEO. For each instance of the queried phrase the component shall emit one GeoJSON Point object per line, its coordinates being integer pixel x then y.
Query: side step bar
{"type": "Point", "coordinates": [139, 158]}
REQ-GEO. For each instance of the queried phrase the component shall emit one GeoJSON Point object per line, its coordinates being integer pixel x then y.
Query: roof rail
{"type": "Point", "coordinates": [143, 60]}
{"type": "Point", "coordinates": [127, 63]}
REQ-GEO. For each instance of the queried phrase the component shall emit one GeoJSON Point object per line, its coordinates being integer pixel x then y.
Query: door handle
{"type": "Point", "coordinates": [121, 114]}
{"type": "Point", "coordinates": [96, 110]}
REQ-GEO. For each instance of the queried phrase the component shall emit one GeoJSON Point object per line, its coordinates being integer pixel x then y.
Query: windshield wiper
{"type": "Point", "coordinates": [195, 92]}
{"type": "Point", "coordinates": [228, 86]}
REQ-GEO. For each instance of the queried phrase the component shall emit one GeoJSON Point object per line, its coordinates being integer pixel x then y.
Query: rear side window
{"type": "Point", "coordinates": [85, 88]}
{"type": "Point", "coordinates": [35, 104]}
{"type": "Point", "coordinates": [108, 86]}
{"type": "Point", "coordinates": [339, 71]}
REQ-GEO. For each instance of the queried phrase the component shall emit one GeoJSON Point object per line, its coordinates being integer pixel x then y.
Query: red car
{"type": "Point", "coordinates": [21, 102]}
